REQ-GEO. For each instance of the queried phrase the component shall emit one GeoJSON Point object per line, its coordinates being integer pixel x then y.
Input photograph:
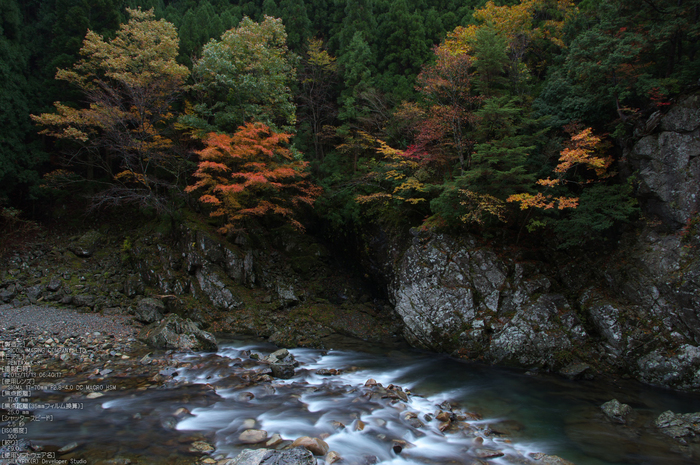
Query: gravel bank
{"type": "Point", "coordinates": [64, 322]}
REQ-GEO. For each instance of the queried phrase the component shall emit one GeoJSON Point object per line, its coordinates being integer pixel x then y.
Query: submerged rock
{"type": "Point", "coordinates": [175, 333]}
{"type": "Point", "coordinates": [576, 371]}
{"type": "Point", "coordinates": [616, 411]}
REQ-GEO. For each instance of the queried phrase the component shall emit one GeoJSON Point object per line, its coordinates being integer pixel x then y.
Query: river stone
{"type": "Point", "coordinates": [282, 370]}
{"type": "Point", "coordinates": [315, 445]}
{"type": "Point", "coordinates": [249, 423]}
{"type": "Point", "coordinates": [252, 436]}
{"type": "Point", "coordinates": [678, 425]}
{"type": "Point", "coordinates": [616, 411]}
{"type": "Point", "coordinates": [443, 416]}
{"type": "Point", "coordinates": [175, 333]}
{"type": "Point", "coordinates": [484, 453]}
{"type": "Point", "coordinates": [201, 446]}
{"type": "Point", "coordinates": [545, 459]}
{"type": "Point", "coordinates": [149, 310]}
{"type": "Point", "coordinates": [274, 441]}
{"type": "Point", "coordinates": [282, 364]}
{"type": "Point", "coordinates": [295, 456]}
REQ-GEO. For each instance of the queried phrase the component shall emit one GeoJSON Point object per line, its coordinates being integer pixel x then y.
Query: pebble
{"type": "Point", "coordinates": [488, 453]}
{"type": "Point", "coordinates": [274, 441]}
{"type": "Point", "coordinates": [201, 446]}
{"type": "Point", "coordinates": [68, 448]}
{"type": "Point", "coordinates": [252, 436]}
{"type": "Point", "coordinates": [315, 445]}
{"type": "Point", "coordinates": [249, 423]}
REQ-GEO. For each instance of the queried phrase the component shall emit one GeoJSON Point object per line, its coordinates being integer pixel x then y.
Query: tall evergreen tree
{"type": "Point", "coordinates": [19, 156]}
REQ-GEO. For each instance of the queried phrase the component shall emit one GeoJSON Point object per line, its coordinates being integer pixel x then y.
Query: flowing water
{"type": "Point", "coordinates": [513, 413]}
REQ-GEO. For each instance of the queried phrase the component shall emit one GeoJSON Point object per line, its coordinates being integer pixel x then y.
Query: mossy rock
{"type": "Point", "coordinates": [86, 245]}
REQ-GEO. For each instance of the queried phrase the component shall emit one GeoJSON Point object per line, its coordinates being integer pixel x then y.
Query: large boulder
{"type": "Point", "coordinates": [616, 411]}
{"type": "Point", "coordinates": [680, 426]}
{"type": "Point", "coordinates": [86, 245]}
{"type": "Point", "coordinates": [177, 334]}
{"type": "Point", "coordinates": [294, 456]}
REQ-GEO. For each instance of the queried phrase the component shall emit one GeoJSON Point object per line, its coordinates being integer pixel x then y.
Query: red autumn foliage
{"type": "Point", "coordinates": [252, 174]}
{"type": "Point", "coordinates": [447, 87]}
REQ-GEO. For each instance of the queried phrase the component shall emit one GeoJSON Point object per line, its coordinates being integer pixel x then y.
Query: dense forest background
{"type": "Point", "coordinates": [509, 119]}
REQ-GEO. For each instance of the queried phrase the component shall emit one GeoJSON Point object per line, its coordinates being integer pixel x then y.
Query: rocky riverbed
{"type": "Point", "coordinates": [98, 363]}
{"type": "Point", "coordinates": [248, 405]}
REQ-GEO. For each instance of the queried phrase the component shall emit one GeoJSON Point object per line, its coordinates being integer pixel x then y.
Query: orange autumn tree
{"type": "Point", "coordinates": [252, 174]}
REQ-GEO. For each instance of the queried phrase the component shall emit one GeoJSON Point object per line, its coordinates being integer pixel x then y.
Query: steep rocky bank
{"type": "Point", "coordinates": [632, 311]}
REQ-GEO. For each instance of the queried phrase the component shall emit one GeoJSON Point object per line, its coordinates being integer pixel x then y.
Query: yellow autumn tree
{"type": "Point", "coordinates": [584, 152]}
{"type": "Point", "coordinates": [519, 23]}
{"type": "Point", "coordinates": [122, 138]}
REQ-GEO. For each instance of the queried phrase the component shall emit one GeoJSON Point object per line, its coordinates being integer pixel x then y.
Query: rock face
{"type": "Point", "coordinates": [469, 300]}
{"type": "Point", "coordinates": [177, 334]}
{"type": "Point", "coordinates": [668, 163]}
{"type": "Point", "coordinates": [457, 297]}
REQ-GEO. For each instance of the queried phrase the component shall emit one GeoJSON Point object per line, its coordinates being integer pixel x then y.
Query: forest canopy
{"type": "Point", "coordinates": [499, 117]}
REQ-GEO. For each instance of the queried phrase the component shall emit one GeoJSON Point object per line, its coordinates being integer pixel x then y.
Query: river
{"type": "Point", "coordinates": [213, 398]}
